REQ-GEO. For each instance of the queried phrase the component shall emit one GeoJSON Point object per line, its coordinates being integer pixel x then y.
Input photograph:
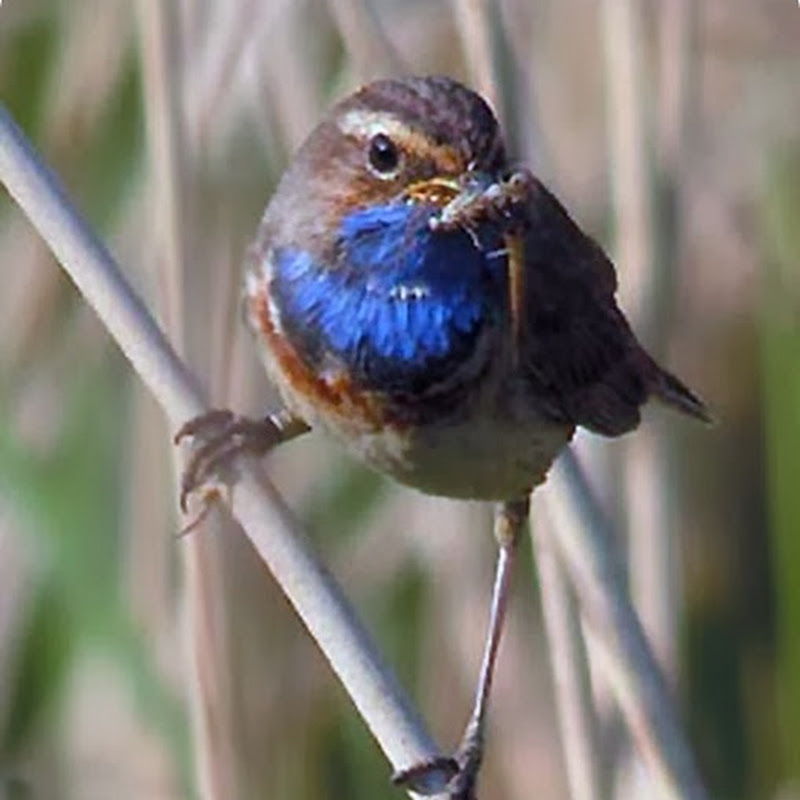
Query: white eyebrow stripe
{"type": "Point", "coordinates": [366, 124]}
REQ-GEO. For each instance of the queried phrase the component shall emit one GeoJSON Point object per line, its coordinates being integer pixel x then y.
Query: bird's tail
{"type": "Point", "coordinates": [668, 389]}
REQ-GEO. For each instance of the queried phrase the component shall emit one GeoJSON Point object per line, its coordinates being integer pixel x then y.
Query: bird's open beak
{"type": "Point", "coordinates": [437, 191]}
{"type": "Point", "coordinates": [445, 190]}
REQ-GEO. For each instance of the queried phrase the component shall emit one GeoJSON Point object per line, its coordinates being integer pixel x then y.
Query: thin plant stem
{"type": "Point", "coordinates": [652, 548]}
{"type": "Point", "coordinates": [475, 21]}
{"type": "Point", "coordinates": [371, 51]}
{"type": "Point", "coordinates": [204, 629]}
{"type": "Point", "coordinates": [570, 666]}
{"type": "Point", "coordinates": [160, 54]}
{"type": "Point", "coordinates": [254, 503]}
{"type": "Point", "coordinates": [628, 154]}
{"type": "Point", "coordinates": [585, 544]}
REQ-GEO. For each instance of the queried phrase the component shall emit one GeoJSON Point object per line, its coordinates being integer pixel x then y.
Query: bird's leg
{"type": "Point", "coordinates": [510, 518]}
{"type": "Point", "coordinates": [220, 436]}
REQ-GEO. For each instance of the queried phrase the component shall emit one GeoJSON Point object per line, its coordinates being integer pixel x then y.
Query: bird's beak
{"type": "Point", "coordinates": [444, 190]}
{"type": "Point", "coordinates": [437, 191]}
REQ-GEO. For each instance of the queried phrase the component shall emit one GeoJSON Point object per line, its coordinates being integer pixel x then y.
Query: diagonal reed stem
{"type": "Point", "coordinates": [585, 545]}
{"type": "Point", "coordinates": [569, 665]}
{"type": "Point", "coordinates": [254, 504]}
{"type": "Point", "coordinates": [204, 631]}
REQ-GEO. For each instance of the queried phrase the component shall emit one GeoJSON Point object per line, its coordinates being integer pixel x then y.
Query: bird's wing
{"type": "Point", "coordinates": [576, 349]}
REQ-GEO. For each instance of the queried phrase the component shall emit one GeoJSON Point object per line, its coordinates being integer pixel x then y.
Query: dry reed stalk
{"type": "Point", "coordinates": [254, 503]}
{"type": "Point", "coordinates": [475, 25]}
{"type": "Point", "coordinates": [371, 51]}
{"type": "Point", "coordinates": [585, 545]}
{"type": "Point", "coordinates": [652, 547]}
{"type": "Point", "coordinates": [569, 665]}
{"type": "Point", "coordinates": [205, 630]}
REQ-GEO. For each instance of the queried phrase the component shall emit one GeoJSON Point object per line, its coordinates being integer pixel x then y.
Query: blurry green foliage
{"type": "Point", "coordinates": [69, 500]}
{"type": "Point", "coordinates": [41, 664]}
{"type": "Point", "coordinates": [780, 360]}
{"type": "Point", "coordinates": [28, 54]}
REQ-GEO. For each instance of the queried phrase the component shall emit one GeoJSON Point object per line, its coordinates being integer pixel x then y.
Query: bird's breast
{"type": "Point", "coordinates": [405, 313]}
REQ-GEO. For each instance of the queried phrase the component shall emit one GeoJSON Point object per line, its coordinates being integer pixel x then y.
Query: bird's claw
{"type": "Point", "coordinates": [462, 785]}
{"type": "Point", "coordinates": [429, 777]}
{"type": "Point", "coordinates": [455, 776]}
{"type": "Point", "coordinates": [219, 437]}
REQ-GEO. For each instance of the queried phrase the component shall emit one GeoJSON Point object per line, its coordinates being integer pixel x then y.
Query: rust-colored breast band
{"type": "Point", "coordinates": [333, 391]}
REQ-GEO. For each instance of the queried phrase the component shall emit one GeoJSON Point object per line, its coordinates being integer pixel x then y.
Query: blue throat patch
{"type": "Point", "coordinates": [401, 308]}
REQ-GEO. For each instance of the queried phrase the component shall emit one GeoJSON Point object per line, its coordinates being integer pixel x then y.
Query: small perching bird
{"type": "Point", "coordinates": [440, 315]}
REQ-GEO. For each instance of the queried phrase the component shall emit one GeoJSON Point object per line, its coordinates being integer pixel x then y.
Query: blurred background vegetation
{"type": "Point", "coordinates": [672, 131]}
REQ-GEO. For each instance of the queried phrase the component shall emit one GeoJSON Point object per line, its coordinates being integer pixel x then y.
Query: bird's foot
{"type": "Point", "coordinates": [454, 776]}
{"type": "Point", "coordinates": [429, 777]}
{"type": "Point", "coordinates": [220, 436]}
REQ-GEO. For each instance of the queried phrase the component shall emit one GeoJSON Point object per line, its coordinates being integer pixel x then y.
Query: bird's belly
{"type": "Point", "coordinates": [483, 458]}
{"type": "Point", "coordinates": [493, 450]}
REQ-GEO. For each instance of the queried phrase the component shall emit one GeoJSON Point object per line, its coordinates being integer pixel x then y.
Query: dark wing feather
{"type": "Point", "coordinates": [579, 355]}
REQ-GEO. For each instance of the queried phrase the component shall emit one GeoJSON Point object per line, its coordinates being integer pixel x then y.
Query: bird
{"type": "Point", "coordinates": [436, 310]}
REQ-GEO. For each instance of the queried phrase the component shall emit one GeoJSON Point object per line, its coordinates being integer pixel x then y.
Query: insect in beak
{"type": "Point", "coordinates": [515, 249]}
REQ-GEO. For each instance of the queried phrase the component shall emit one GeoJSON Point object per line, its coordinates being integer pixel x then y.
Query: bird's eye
{"type": "Point", "coordinates": [383, 155]}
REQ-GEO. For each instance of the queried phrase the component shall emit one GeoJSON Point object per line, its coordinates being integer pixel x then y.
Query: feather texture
{"type": "Point", "coordinates": [401, 309]}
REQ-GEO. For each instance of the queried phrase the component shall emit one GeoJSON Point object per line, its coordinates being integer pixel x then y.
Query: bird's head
{"type": "Point", "coordinates": [421, 141]}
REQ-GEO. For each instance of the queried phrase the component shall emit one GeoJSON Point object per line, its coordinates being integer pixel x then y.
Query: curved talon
{"type": "Point", "coordinates": [211, 497]}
